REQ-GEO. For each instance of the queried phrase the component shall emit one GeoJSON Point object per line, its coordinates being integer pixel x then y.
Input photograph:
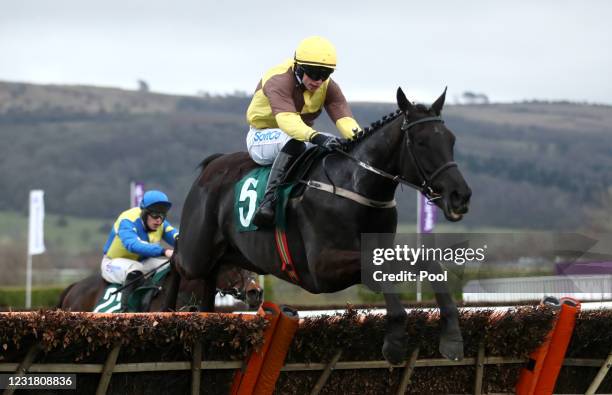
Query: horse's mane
{"type": "Point", "coordinates": [377, 125]}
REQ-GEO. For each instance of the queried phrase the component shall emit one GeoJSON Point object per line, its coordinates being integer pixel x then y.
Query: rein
{"type": "Point", "coordinates": [143, 276]}
{"type": "Point", "coordinates": [426, 186]}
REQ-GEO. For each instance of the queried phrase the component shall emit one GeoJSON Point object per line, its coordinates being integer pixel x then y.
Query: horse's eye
{"type": "Point", "coordinates": [420, 142]}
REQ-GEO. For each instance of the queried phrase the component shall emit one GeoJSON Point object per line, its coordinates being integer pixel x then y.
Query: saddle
{"type": "Point", "coordinates": [252, 185]}
{"type": "Point", "coordinates": [140, 299]}
{"type": "Point", "coordinates": [301, 166]}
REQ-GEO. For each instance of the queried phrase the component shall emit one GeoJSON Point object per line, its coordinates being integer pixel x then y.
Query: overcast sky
{"type": "Point", "coordinates": [508, 50]}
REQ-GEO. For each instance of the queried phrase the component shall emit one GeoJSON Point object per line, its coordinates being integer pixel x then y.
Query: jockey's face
{"type": "Point", "coordinates": [154, 220]}
{"type": "Point", "coordinates": [310, 84]}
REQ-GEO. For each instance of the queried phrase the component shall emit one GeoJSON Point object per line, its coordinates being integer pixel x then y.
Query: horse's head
{"type": "Point", "coordinates": [242, 284]}
{"type": "Point", "coordinates": [429, 148]}
{"type": "Point", "coordinates": [254, 292]}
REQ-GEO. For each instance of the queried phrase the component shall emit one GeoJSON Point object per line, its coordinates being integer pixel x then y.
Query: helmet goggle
{"type": "Point", "coordinates": [157, 215]}
{"type": "Point", "coordinates": [157, 211]}
{"type": "Point", "coordinates": [317, 73]}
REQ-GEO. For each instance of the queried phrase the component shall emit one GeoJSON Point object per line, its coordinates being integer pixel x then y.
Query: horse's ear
{"type": "Point", "coordinates": [439, 103]}
{"type": "Point", "coordinates": [402, 102]}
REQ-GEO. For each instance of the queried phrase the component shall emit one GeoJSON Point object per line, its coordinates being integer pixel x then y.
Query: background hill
{"type": "Point", "coordinates": [531, 165]}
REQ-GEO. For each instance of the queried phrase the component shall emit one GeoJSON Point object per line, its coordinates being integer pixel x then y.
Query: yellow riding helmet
{"type": "Point", "coordinates": [316, 51]}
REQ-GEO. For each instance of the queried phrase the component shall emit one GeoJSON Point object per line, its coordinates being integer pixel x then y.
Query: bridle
{"type": "Point", "coordinates": [426, 186]}
{"type": "Point", "coordinates": [233, 287]}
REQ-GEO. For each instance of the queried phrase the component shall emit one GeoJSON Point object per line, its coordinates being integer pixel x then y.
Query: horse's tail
{"type": "Point", "coordinates": [207, 160]}
{"type": "Point", "coordinates": [63, 295]}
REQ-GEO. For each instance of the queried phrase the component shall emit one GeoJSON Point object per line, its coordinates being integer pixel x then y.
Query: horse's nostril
{"type": "Point", "coordinates": [254, 293]}
{"type": "Point", "coordinates": [458, 200]}
{"type": "Point", "coordinates": [254, 297]}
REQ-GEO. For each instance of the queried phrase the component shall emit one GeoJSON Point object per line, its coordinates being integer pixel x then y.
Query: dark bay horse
{"type": "Point", "coordinates": [412, 146]}
{"type": "Point", "coordinates": [240, 283]}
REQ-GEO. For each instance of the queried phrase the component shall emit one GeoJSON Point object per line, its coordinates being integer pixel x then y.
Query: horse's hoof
{"type": "Point", "coordinates": [451, 347]}
{"type": "Point", "coordinates": [394, 351]}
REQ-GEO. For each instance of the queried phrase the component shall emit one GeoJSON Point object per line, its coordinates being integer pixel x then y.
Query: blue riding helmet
{"type": "Point", "coordinates": [155, 198]}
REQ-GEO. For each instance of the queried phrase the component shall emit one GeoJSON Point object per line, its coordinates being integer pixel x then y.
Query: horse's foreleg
{"type": "Point", "coordinates": [451, 341]}
{"type": "Point", "coordinates": [338, 269]}
{"type": "Point", "coordinates": [209, 292]}
{"type": "Point", "coordinates": [394, 348]}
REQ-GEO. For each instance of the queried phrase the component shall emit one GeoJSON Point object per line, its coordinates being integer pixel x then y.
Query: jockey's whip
{"type": "Point", "coordinates": [143, 276]}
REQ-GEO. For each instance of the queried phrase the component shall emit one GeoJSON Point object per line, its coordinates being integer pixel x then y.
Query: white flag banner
{"type": "Point", "coordinates": [36, 240]}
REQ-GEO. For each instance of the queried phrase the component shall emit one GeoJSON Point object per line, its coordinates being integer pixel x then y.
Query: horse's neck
{"type": "Point", "coordinates": [381, 147]}
{"type": "Point", "coordinates": [382, 150]}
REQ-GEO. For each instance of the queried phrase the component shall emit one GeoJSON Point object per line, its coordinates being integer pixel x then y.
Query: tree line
{"type": "Point", "coordinates": [534, 176]}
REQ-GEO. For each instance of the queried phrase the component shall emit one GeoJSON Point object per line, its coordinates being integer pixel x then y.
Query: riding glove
{"type": "Point", "coordinates": [328, 142]}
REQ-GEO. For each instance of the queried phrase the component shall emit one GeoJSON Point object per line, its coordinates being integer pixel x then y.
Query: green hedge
{"type": "Point", "coordinates": [42, 296]}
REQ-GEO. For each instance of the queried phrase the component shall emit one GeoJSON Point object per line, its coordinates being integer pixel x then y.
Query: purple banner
{"type": "Point", "coordinates": [136, 193]}
{"type": "Point", "coordinates": [426, 215]}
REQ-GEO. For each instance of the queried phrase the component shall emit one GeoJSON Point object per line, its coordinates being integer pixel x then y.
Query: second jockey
{"type": "Point", "coordinates": [133, 245]}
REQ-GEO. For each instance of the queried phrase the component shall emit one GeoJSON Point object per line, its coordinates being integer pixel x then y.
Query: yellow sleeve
{"type": "Point", "coordinates": [346, 125]}
{"type": "Point", "coordinates": [292, 124]}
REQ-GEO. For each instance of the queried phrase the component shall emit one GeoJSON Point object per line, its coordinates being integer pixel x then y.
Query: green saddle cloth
{"type": "Point", "coordinates": [248, 194]}
{"type": "Point", "coordinates": [110, 301]}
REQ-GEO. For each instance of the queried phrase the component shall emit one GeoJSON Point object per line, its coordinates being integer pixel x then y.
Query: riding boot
{"type": "Point", "coordinates": [264, 215]}
{"type": "Point", "coordinates": [129, 289]}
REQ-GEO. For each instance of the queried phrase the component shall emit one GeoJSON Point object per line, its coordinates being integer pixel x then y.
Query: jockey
{"type": "Point", "coordinates": [286, 102]}
{"type": "Point", "coordinates": [133, 245]}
